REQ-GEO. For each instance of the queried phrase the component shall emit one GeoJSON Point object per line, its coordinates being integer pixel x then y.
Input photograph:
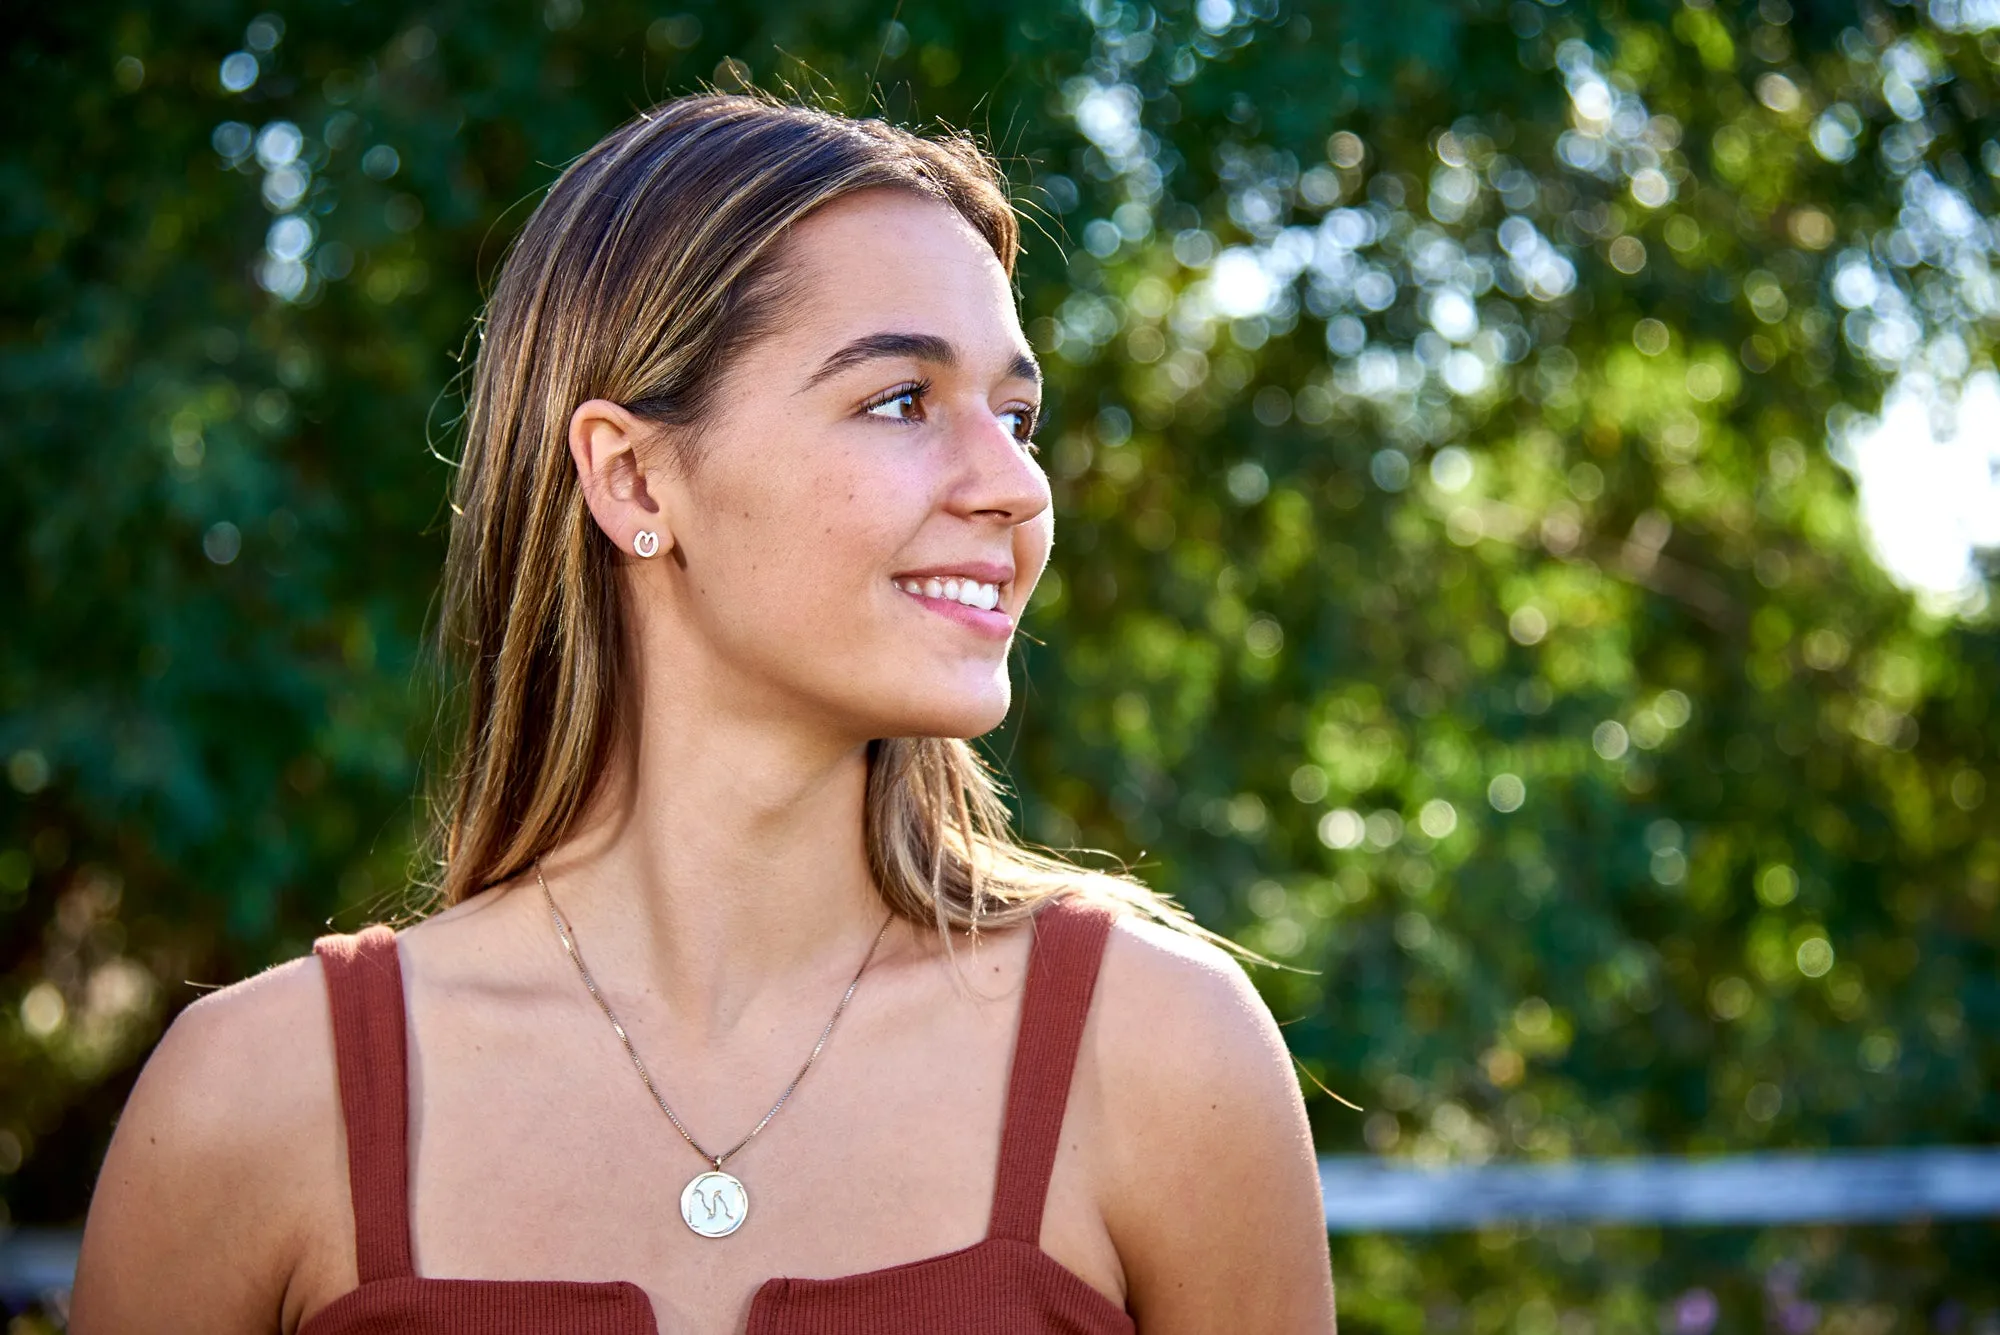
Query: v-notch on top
{"type": "Point", "coordinates": [366, 998]}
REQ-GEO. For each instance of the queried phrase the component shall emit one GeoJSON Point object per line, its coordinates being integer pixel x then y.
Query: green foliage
{"type": "Point", "coordinates": [1455, 595]}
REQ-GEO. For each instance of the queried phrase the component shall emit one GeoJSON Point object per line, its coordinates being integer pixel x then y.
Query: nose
{"type": "Point", "coordinates": [999, 479]}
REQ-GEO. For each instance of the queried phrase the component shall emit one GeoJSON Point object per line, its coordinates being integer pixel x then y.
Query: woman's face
{"type": "Point", "coordinates": [866, 518]}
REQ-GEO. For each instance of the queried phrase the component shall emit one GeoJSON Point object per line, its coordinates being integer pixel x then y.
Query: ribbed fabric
{"type": "Point", "coordinates": [413, 1306]}
{"type": "Point", "coordinates": [364, 985]}
{"type": "Point", "coordinates": [1003, 1285]}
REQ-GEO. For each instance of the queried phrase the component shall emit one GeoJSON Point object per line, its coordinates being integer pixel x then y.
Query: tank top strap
{"type": "Point", "coordinates": [364, 983]}
{"type": "Point", "coordinates": [1062, 973]}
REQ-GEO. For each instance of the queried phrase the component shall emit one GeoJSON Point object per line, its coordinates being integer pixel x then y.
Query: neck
{"type": "Point", "coordinates": [722, 865]}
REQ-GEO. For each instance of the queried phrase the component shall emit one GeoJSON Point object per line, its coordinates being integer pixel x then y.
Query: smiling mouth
{"type": "Point", "coordinates": [971, 593]}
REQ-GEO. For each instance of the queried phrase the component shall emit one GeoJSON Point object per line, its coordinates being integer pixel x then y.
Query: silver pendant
{"type": "Point", "coordinates": [713, 1204]}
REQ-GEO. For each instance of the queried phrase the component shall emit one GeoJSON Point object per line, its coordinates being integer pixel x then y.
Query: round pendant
{"type": "Point", "coordinates": [713, 1204]}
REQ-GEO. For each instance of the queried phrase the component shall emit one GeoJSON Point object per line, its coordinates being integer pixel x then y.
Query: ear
{"type": "Point", "coordinates": [604, 441]}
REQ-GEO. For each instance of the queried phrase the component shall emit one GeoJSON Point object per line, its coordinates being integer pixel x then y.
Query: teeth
{"type": "Point", "coordinates": [969, 593]}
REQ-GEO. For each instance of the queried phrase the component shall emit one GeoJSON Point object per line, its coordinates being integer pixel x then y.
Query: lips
{"type": "Point", "coordinates": [980, 572]}
{"type": "Point", "coordinates": [970, 594]}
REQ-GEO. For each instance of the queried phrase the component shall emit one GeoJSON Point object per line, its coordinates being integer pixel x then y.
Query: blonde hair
{"type": "Point", "coordinates": [653, 259]}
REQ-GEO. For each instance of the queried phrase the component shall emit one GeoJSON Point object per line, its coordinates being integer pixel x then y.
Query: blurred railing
{"type": "Point", "coordinates": [1370, 1195]}
{"type": "Point", "coordinates": [35, 1262]}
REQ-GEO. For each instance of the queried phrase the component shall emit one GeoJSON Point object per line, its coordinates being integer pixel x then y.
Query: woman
{"type": "Point", "coordinates": [747, 514]}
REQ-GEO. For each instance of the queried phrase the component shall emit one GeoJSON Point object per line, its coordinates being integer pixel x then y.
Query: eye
{"type": "Point", "coordinates": [1024, 420]}
{"type": "Point", "coordinates": [903, 403]}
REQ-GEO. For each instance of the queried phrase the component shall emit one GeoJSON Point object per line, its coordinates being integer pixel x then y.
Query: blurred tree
{"type": "Point", "coordinates": [1455, 592]}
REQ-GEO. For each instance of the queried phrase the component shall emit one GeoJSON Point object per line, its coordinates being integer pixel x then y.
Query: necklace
{"type": "Point", "coordinates": [713, 1203]}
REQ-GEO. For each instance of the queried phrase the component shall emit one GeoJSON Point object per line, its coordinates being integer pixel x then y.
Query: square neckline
{"type": "Point", "coordinates": [769, 1293]}
{"type": "Point", "coordinates": [1054, 1006]}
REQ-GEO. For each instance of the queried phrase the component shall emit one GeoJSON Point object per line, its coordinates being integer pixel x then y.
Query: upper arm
{"type": "Point", "coordinates": [197, 1217]}
{"type": "Point", "coordinates": [1212, 1195]}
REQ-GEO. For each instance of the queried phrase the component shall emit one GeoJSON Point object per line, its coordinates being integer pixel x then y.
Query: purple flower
{"type": "Point", "coordinates": [1695, 1312]}
{"type": "Point", "coordinates": [1797, 1318]}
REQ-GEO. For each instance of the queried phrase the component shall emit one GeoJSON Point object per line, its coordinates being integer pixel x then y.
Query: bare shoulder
{"type": "Point", "coordinates": [221, 1163]}
{"type": "Point", "coordinates": [1178, 1016]}
{"type": "Point", "coordinates": [239, 1030]}
{"type": "Point", "coordinates": [248, 1065]}
{"type": "Point", "coordinates": [1210, 1184]}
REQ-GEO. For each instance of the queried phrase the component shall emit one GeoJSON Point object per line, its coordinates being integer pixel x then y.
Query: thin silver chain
{"type": "Point", "coordinates": [569, 945]}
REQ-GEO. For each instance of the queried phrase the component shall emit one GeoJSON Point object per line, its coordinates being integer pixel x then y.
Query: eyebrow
{"type": "Point", "coordinates": [920, 347]}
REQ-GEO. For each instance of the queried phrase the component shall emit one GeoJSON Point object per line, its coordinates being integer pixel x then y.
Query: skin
{"type": "Point", "coordinates": [720, 894]}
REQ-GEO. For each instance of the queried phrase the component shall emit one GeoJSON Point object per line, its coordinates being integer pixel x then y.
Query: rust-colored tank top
{"type": "Point", "coordinates": [1004, 1284]}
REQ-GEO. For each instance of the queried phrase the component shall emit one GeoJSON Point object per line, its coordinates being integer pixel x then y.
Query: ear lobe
{"type": "Point", "coordinates": [603, 442]}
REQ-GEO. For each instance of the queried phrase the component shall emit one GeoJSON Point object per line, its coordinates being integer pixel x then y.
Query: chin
{"type": "Point", "coordinates": [948, 714]}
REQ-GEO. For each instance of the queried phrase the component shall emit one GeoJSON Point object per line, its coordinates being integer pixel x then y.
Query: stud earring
{"type": "Point", "coordinates": [646, 543]}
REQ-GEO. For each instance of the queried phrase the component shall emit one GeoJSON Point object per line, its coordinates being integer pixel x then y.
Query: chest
{"type": "Point", "coordinates": [536, 1150]}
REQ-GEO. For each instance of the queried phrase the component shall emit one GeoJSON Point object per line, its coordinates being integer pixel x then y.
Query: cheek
{"type": "Point", "coordinates": [854, 518]}
{"type": "Point", "coordinates": [806, 528]}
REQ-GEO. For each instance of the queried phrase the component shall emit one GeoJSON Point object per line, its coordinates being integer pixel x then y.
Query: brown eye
{"type": "Point", "coordinates": [906, 403]}
{"type": "Point", "coordinates": [1024, 423]}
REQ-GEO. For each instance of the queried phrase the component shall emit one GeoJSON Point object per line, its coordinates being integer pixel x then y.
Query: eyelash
{"type": "Point", "coordinates": [917, 389]}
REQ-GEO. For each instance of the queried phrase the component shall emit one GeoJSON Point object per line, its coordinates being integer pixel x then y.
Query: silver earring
{"type": "Point", "coordinates": [646, 543]}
